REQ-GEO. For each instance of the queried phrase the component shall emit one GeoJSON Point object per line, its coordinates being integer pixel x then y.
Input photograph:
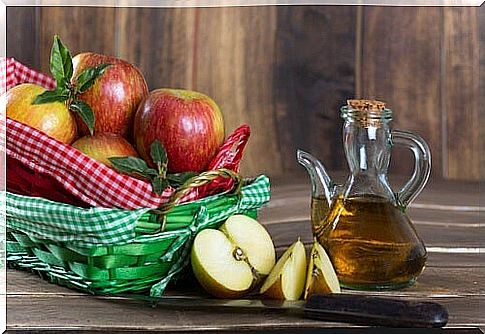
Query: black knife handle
{"type": "Point", "coordinates": [375, 311]}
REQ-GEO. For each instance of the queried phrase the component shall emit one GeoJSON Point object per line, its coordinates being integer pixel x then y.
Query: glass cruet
{"type": "Point", "coordinates": [362, 224]}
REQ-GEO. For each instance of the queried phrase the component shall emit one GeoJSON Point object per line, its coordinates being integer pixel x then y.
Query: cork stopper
{"type": "Point", "coordinates": [366, 113]}
{"type": "Point", "coordinates": [369, 105]}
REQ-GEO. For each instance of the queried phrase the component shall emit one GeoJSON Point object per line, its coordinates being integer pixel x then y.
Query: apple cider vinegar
{"type": "Point", "coordinates": [319, 210]}
{"type": "Point", "coordinates": [362, 224]}
{"type": "Point", "coordinates": [371, 242]}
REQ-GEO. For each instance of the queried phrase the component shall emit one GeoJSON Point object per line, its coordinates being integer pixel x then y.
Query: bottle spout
{"type": "Point", "coordinates": [322, 185]}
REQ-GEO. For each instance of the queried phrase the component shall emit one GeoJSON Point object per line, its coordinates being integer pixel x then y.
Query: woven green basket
{"type": "Point", "coordinates": [111, 251]}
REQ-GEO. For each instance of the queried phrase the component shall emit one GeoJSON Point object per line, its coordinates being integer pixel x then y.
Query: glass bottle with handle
{"type": "Point", "coordinates": [362, 224]}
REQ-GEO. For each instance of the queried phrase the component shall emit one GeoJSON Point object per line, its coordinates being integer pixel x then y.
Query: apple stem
{"type": "Point", "coordinates": [71, 95]}
{"type": "Point", "coordinates": [255, 273]}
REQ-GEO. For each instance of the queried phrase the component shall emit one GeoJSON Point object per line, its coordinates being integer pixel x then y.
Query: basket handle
{"type": "Point", "coordinates": [197, 181]}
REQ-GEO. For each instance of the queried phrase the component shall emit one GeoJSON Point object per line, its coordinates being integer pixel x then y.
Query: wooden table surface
{"type": "Point", "coordinates": [446, 216]}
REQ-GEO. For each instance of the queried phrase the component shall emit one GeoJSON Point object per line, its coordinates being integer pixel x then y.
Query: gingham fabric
{"type": "Point", "coordinates": [86, 179]}
{"type": "Point", "coordinates": [60, 222]}
{"type": "Point", "coordinates": [12, 73]}
{"type": "Point", "coordinates": [50, 220]}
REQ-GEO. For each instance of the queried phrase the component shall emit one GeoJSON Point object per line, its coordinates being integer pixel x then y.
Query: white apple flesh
{"type": "Point", "coordinates": [230, 262]}
{"type": "Point", "coordinates": [321, 276]}
{"type": "Point", "coordinates": [216, 268]}
{"type": "Point", "coordinates": [287, 279]}
{"type": "Point", "coordinates": [254, 241]}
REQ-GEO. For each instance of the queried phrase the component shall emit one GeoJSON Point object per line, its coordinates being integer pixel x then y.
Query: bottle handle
{"type": "Point", "coordinates": [422, 165]}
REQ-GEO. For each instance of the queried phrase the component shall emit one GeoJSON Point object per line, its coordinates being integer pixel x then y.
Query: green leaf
{"type": "Point", "coordinates": [138, 167]}
{"type": "Point", "coordinates": [63, 91]}
{"type": "Point", "coordinates": [50, 96]}
{"type": "Point", "coordinates": [159, 157]}
{"type": "Point", "coordinates": [61, 63]}
{"type": "Point", "coordinates": [176, 180]}
{"type": "Point", "coordinates": [85, 112]}
{"type": "Point", "coordinates": [159, 184]}
{"type": "Point", "coordinates": [89, 76]}
{"type": "Point", "coordinates": [151, 173]}
{"type": "Point", "coordinates": [158, 153]}
{"type": "Point", "coordinates": [132, 166]}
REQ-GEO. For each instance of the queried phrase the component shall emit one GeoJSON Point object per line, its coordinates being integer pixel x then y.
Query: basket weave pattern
{"type": "Point", "coordinates": [130, 257]}
{"type": "Point", "coordinates": [111, 234]}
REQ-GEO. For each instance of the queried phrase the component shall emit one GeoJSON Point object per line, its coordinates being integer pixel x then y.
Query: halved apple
{"type": "Point", "coordinates": [254, 241]}
{"type": "Point", "coordinates": [231, 261]}
{"type": "Point", "coordinates": [287, 279]}
{"type": "Point", "coordinates": [321, 277]}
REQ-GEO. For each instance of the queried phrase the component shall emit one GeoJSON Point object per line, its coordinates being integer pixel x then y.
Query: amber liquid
{"type": "Point", "coordinates": [371, 242]}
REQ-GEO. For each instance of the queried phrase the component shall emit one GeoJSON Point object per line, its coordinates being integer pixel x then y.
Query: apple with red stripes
{"type": "Point", "coordinates": [114, 97]}
{"type": "Point", "coordinates": [189, 124]}
{"type": "Point", "coordinates": [102, 146]}
{"type": "Point", "coordinates": [54, 118]}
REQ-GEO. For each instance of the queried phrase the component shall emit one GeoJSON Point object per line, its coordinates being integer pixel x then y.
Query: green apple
{"type": "Point", "coordinates": [321, 277]}
{"type": "Point", "coordinates": [287, 279]}
{"type": "Point", "coordinates": [231, 261]}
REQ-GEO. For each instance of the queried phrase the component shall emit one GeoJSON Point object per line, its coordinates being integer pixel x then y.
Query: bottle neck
{"type": "Point", "coordinates": [367, 148]}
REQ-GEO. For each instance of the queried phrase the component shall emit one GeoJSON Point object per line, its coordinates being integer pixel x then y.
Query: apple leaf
{"type": "Point", "coordinates": [178, 179]}
{"type": "Point", "coordinates": [157, 152]}
{"type": "Point", "coordinates": [85, 112]}
{"type": "Point", "coordinates": [132, 166]}
{"type": "Point", "coordinates": [60, 63]}
{"type": "Point", "coordinates": [159, 184]}
{"type": "Point", "coordinates": [138, 167]}
{"type": "Point", "coordinates": [151, 173]}
{"type": "Point", "coordinates": [51, 96]}
{"type": "Point", "coordinates": [61, 67]}
{"type": "Point", "coordinates": [89, 76]}
{"type": "Point", "coordinates": [159, 156]}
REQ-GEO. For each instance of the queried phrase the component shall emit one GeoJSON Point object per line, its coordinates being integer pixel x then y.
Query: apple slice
{"type": "Point", "coordinates": [321, 277]}
{"type": "Point", "coordinates": [231, 261]}
{"type": "Point", "coordinates": [287, 279]}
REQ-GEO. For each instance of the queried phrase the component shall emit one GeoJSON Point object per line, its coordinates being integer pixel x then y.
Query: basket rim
{"type": "Point", "coordinates": [254, 193]}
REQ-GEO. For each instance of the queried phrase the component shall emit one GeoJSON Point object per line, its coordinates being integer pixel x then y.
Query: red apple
{"type": "Point", "coordinates": [188, 124]}
{"type": "Point", "coordinates": [114, 97]}
{"type": "Point", "coordinates": [102, 146]}
{"type": "Point", "coordinates": [53, 118]}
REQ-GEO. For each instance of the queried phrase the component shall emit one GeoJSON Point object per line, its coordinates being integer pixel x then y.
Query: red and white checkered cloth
{"type": "Point", "coordinates": [13, 73]}
{"type": "Point", "coordinates": [88, 180]}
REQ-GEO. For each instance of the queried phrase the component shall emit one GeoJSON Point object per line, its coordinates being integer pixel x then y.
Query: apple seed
{"type": "Point", "coordinates": [240, 256]}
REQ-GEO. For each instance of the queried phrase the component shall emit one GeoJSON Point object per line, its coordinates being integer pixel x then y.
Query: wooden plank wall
{"type": "Point", "coordinates": [481, 102]}
{"type": "Point", "coordinates": [460, 90]}
{"type": "Point", "coordinates": [315, 68]}
{"type": "Point", "coordinates": [285, 70]}
{"type": "Point", "coordinates": [22, 40]}
{"type": "Point", "coordinates": [402, 65]}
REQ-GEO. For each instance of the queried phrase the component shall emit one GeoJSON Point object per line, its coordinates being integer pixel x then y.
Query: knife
{"type": "Point", "coordinates": [348, 308]}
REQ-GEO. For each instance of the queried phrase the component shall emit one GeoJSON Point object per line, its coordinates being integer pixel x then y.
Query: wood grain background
{"type": "Point", "coordinates": [286, 70]}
